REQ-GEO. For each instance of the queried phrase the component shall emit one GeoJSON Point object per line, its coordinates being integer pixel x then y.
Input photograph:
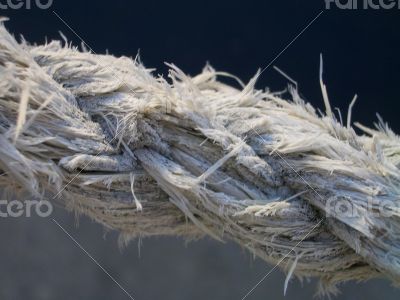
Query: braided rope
{"type": "Point", "coordinates": [194, 156]}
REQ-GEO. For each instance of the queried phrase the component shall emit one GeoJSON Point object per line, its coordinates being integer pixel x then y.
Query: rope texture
{"type": "Point", "coordinates": [190, 156]}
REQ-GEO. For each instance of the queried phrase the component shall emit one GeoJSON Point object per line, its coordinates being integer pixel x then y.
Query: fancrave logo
{"type": "Point", "coordinates": [362, 4]}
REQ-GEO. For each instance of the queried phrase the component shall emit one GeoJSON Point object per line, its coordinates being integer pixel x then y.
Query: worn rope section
{"type": "Point", "coordinates": [193, 156]}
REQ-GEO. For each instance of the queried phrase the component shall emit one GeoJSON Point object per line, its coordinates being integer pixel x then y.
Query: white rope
{"type": "Point", "coordinates": [199, 157]}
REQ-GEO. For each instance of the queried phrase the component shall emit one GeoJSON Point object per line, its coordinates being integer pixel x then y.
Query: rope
{"type": "Point", "coordinates": [192, 156]}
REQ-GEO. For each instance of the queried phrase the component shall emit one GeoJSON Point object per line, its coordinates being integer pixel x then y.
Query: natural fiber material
{"type": "Point", "coordinates": [194, 156]}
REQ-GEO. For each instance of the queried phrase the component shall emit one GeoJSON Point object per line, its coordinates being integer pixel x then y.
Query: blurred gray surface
{"type": "Point", "coordinates": [39, 261]}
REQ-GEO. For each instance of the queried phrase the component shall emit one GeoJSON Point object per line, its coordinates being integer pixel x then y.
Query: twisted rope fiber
{"type": "Point", "coordinates": [194, 156]}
